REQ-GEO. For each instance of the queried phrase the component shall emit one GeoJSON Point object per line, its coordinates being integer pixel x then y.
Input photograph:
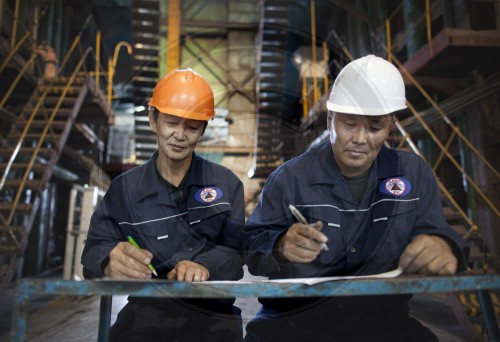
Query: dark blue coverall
{"type": "Point", "coordinates": [205, 227]}
{"type": "Point", "coordinates": [401, 200]}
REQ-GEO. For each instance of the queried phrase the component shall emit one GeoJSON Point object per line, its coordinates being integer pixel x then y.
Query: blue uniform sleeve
{"type": "Point", "coordinates": [224, 259]}
{"type": "Point", "coordinates": [431, 220]}
{"type": "Point", "coordinates": [266, 224]}
{"type": "Point", "coordinates": [103, 235]}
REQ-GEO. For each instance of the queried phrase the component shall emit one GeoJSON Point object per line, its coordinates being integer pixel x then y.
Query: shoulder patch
{"type": "Point", "coordinates": [396, 186]}
{"type": "Point", "coordinates": [208, 194]}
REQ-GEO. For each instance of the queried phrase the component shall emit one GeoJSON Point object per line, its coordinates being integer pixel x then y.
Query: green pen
{"type": "Point", "coordinates": [133, 243]}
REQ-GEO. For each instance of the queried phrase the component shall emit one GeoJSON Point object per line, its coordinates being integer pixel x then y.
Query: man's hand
{"type": "Point", "coordinates": [428, 254]}
{"type": "Point", "coordinates": [301, 243]}
{"type": "Point", "coordinates": [186, 270]}
{"type": "Point", "coordinates": [126, 261]}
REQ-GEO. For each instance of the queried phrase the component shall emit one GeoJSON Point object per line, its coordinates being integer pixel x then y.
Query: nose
{"type": "Point", "coordinates": [361, 134]}
{"type": "Point", "coordinates": [179, 132]}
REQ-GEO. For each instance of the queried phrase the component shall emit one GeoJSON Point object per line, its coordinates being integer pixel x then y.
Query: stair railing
{"type": "Point", "coordinates": [7, 221]}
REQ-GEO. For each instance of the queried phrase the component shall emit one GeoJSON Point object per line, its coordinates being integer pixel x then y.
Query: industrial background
{"type": "Point", "coordinates": [76, 77]}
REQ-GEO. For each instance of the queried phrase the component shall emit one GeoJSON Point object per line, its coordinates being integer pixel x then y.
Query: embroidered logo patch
{"type": "Point", "coordinates": [207, 195]}
{"type": "Point", "coordinates": [397, 186]}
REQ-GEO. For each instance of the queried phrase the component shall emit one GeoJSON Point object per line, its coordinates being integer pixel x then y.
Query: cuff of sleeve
{"type": "Point", "coordinates": [460, 252]}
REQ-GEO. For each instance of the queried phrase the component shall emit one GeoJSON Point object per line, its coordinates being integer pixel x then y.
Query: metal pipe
{"type": "Point", "coordinates": [97, 58]}
{"type": "Point", "coordinates": [15, 23]}
{"type": "Point", "coordinates": [313, 47]}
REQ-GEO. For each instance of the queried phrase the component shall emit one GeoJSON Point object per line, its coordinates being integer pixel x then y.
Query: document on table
{"type": "Point", "coordinates": [317, 280]}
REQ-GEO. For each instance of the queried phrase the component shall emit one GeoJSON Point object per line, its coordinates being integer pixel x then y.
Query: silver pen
{"type": "Point", "coordinates": [298, 215]}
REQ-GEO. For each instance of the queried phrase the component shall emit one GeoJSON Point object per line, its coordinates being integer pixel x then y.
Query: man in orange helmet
{"type": "Point", "coordinates": [185, 212]}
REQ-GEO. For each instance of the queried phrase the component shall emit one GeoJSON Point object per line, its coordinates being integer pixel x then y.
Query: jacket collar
{"type": "Point", "coordinates": [325, 170]}
{"type": "Point", "coordinates": [198, 174]}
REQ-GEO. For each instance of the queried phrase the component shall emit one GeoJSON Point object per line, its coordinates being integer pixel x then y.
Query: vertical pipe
{"type": "Point", "coordinates": [489, 316]}
{"type": "Point", "coordinates": [305, 104]}
{"type": "Point", "coordinates": [313, 47]}
{"type": "Point", "coordinates": [412, 12]}
{"type": "Point", "coordinates": [98, 61]}
{"type": "Point", "coordinates": [15, 24]}
{"type": "Point", "coordinates": [56, 43]}
{"type": "Point", "coordinates": [428, 26]}
{"type": "Point", "coordinates": [381, 14]}
{"type": "Point", "coordinates": [20, 309]}
{"type": "Point", "coordinates": [388, 39]}
{"type": "Point", "coordinates": [448, 13]}
{"type": "Point", "coordinates": [173, 38]}
{"type": "Point", "coordinates": [325, 77]}
{"type": "Point", "coordinates": [104, 318]}
{"type": "Point", "coordinates": [466, 163]}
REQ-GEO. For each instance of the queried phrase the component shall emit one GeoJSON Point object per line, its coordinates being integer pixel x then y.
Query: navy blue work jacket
{"type": "Point", "coordinates": [400, 201]}
{"type": "Point", "coordinates": [207, 231]}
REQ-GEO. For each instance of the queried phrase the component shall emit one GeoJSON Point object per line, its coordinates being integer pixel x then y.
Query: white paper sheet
{"type": "Point", "coordinates": [312, 281]}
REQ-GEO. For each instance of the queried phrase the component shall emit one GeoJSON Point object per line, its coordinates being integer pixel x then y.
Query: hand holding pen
{"type": "Point", "coordinates": [298, 215]}
{"type": "Point", "coordinates": [129, 261]}
{"type": "Point", "coordinates": [301, 242]}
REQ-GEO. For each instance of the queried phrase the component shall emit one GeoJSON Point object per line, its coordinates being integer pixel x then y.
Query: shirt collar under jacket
{"type": "Point", "coordinates": [198, 174]}
{"type": "Point", "coordinates": [324, 170]}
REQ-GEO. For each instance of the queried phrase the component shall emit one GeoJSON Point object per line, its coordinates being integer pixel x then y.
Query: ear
{"type": "Point", "coordinates": [152, 121]}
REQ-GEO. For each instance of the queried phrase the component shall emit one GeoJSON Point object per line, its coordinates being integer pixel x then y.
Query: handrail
{"type": "Point", "coordinates": [455, 130]}
{"type": "Point", "coordinates": [445, 117]}
{"type": "Point", "coordinates": [13, 51]}
{"type": "Point", "coordinates": [413, 146]}
{"type": "Point", "coordinates": [112, 66]}
{"type": "Point", "coordinates": [426, 16]}
{"type": "Point", "coordinates": [15, 82]}
{"type": "Point", "coordinates": [44, 133]}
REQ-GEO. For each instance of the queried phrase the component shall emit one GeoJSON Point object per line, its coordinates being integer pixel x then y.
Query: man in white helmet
{"type": "Point", "coordinates": [375, 208]}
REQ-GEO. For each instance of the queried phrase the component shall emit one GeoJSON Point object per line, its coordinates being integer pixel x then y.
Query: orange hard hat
{"type": "Point", "coordinates": [184, 93]}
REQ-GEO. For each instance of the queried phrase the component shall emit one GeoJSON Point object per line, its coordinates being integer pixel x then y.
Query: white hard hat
{"type": "Point", "coordinates": [368, 86]}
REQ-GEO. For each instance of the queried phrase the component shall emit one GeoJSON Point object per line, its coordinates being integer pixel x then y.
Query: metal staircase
{"type": "Point", "coordinates": [273, 30]}
{"type": "Point", "coordinates": [28, 156]}
{"type": "Point", "coordinates": [145, 42]}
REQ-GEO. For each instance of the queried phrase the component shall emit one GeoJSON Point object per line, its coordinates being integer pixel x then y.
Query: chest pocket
{"type": "Point", "coordinates": [388, 208]}
{"type": "Point", "coordinates": [200, 214]}
{"type": "Point", "coordinates": [329, 215]}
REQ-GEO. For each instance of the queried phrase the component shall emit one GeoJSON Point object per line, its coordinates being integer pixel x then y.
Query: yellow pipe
{"type": "Point", "coordinates": [452, 159]}
{"type": "Point", "coordinates": [110, 82]}
{"type": "Point", "coordinates": [42, 136]}
{"type": "Point", "coordinates": [305, 104]}
{"type": "Point", "coordinates": [97, 58]}
{"type": "Point", "coordinates": [16, 80]}
{"type": "Point", "coordinates": [428, 22]}
{"type": "Point", "coordinates": [13, 51]}
{"type": "Point", "coordinates": [415, 149]}
{"type": "Point", "coordinates": [70, 51]}
{"type": "Point", "coordinates": [441, 155]}
{"type": "Point", "coordinates": [445, 117]}
{"type": "Point", "coordinates": [112, 65]}
{"type": "Point", "coordinates": [173, 37]}
{"type": "Point", "coordinates": [388, 35]}
{"type": "Point", "coordinates": [325, 78]}
{"type": "Point", "coordinates": [15, 23]}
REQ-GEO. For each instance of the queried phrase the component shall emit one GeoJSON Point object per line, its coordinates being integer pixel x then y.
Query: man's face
{"type": "Point", "coordinates": [356, 140]}
{"type": "Point", "coordinates": [177, 137]}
